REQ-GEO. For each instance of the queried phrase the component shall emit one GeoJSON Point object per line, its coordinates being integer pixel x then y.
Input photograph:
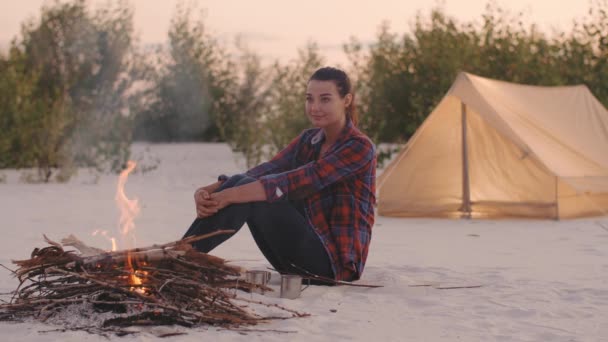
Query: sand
{"type": "Point", "coordinates": [534, 280]}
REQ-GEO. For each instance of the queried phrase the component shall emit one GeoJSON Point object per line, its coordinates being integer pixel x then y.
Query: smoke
{"type": "Point", "coordinates": [180, 104]}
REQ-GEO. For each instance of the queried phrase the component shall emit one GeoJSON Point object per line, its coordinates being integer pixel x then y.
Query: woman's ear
{"type": "Point", "coordinates": [348, 99]}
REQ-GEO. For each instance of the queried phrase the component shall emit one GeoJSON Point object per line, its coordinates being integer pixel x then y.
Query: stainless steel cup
{"type": "Point", "coordinates": [258, 278]}
{"type": "Point", "coordinates": [291, 286]}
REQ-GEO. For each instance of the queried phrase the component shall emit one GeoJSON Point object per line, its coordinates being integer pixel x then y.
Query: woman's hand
{"type": "Point", "coordinates": [209, 202]}
{"type": "Point", "coordinates": [223, 198]}
{"type": "Point", "coordinates": [205, 206]}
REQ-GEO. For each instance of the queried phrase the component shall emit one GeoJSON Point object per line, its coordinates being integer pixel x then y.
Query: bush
{"type": "Point", "coordinates": [67, 85]}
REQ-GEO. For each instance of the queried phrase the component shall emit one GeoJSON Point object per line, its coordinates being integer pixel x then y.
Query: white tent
{"type": "Point", "coordinates": [528, 151]}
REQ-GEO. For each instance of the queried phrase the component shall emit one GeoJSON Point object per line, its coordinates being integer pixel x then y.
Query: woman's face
{"type": "Point", "coordinates": [324, 106]}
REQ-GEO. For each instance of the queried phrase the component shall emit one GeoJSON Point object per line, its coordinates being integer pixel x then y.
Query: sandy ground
{"type": "Point", "coordinates": [539, 280]}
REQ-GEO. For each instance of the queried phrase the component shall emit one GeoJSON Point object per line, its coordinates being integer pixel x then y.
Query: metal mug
{"type": "Point", "coordinates": [258, 278]}
{"type": "Point", "coordinates": [291, 286]}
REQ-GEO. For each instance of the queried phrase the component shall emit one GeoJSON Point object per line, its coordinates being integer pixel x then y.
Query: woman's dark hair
{"type": "Point", "coordinates": [340, 78]}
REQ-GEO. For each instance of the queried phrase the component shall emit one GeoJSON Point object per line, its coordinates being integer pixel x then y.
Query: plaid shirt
{"type": "Point", "coordinates": [337, 189]}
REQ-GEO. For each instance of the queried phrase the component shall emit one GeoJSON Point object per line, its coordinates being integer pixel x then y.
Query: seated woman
{"type": "Point", "coordinates": [310, 209]}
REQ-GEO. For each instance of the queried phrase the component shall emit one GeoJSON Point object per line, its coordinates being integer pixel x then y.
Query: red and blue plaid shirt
{"type": "Point", "coordinates": [337, 189]}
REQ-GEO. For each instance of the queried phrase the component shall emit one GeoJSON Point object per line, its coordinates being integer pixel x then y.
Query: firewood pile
{"type": "Point", "coordinates": [170, 284]}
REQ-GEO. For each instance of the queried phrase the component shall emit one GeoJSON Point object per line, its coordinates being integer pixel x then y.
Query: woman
{"type": "Point", "coordinates": [311, 208]}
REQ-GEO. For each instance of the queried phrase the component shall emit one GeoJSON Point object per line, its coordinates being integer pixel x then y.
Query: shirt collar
{"type": "Point", "coordinates": [320, 136]}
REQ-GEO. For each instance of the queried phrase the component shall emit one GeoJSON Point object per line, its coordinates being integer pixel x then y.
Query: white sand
{"type": "Point", "coordinates": [541, 280]}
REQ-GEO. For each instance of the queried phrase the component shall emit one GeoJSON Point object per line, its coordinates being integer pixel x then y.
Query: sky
{"type": "Point", "coordinates": [276, 29]}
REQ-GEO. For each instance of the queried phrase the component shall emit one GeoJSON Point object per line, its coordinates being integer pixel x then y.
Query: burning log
{"type": "Point", "coordinates": [158, 285]}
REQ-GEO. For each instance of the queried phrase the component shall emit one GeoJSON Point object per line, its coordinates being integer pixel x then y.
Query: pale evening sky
{"type": "Point", "coordinates": [277, 28]}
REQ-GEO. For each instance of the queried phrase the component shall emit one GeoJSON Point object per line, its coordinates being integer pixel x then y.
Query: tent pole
{"type": "Point", "coordinates": [556, 200]}
{"type": "Point", "coordinates": [466, 194]}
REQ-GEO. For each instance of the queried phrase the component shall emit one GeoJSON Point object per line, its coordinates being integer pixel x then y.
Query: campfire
{"type": "Point", "coordinates": [85, 288]}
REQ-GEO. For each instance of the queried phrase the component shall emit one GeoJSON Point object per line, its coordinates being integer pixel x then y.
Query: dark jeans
{"type": "Point", "coordinates": [279, 230]}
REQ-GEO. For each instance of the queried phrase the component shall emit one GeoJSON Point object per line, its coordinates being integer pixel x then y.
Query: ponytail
{"type": "Point", "coordinates": [352, 113]}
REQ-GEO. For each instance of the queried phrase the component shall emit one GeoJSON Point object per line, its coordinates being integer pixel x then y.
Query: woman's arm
{"type": "Point", "coordinates": [250, 192]}
{"type": "Point", "coordinates": [281, 162]}
{"type": "Point", "coordinates": [345, 161]}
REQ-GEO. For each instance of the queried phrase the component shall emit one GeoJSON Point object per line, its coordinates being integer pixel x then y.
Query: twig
{"type": "Point", "coordinates": [457, 287]}
{"type": "Point", "coordinates": [261, 330]}
{"type": "Point", "coordinates": [293, 312]}
{"type": "Point", "coordinates": [12, 271]}
{"type": "Point", "coordinates": [439, 287]}
{"type": "Point", "coordinates": [160, 289]}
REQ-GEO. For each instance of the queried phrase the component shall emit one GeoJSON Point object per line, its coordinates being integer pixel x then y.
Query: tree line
{"type": "Point", "coordinates": [76, 87]}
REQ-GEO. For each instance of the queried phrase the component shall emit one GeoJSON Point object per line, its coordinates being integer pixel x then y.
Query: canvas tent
{"type": "Point", "coordinates": [496, 149]}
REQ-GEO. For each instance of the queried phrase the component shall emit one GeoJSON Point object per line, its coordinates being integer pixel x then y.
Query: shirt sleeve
{"type": "Point", "coordinates": [279, 163]}
{"type": "Point", "coordinates": [354, 155]}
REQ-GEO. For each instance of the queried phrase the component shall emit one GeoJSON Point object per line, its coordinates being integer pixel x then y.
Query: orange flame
{"type": "Point", "coordinates": [129, 209]}
{"type": "Point", "coordinates": [134, 280]}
